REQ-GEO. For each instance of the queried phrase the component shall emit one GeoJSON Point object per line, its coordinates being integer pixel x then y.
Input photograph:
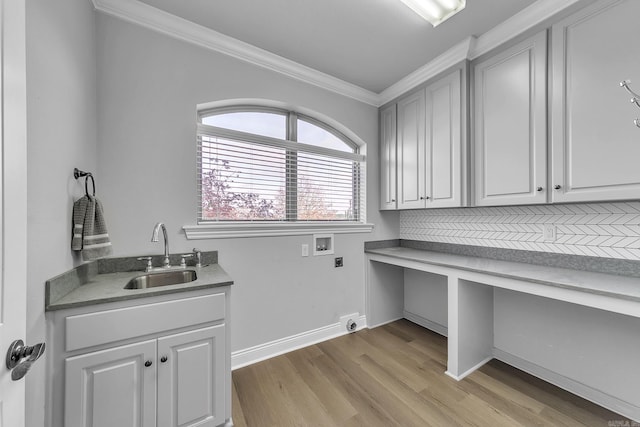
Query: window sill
{"type": "Point", "coordinates": [229, 230]}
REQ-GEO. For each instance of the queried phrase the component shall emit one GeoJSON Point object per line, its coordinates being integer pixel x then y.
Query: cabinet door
{"type": "Point", "coordinates": [388, 158]}
{"type": "Point", "coordinates": [443, 148]}
{"type": "Point", "coordinates": [595, 145]}
{"type": "Point", "coordinates": [112, 387]}
{"type": "Point", "coordinates": [510, 130]}
{"type": "Point", "coordinates": [411, 150]}
{"type": "Point", "coordinates": [191, 380]}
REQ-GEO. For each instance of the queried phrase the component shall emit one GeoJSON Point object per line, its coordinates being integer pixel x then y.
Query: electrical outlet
{"type": "Point", "coordinates": [305, 250]}
{"type": "Point", "coordinates": [549, 233]}
{"type": "Point", "coordinates": [338, 261]}
{"type": "Point", "coordinates": [349, 322]}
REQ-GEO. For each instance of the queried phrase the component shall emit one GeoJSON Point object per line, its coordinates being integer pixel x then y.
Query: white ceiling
{"type": "Point", "coordinates": [370, 43]}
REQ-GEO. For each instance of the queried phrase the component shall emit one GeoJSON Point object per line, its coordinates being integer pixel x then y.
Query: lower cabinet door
{"type": "Point", "coordinates": [114, 387]}
{"type": "Point", "coordinates": [191, 378]}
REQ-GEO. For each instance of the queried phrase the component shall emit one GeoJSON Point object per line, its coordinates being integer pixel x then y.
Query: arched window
{"type": "Point", "coordinates": [271, 165]}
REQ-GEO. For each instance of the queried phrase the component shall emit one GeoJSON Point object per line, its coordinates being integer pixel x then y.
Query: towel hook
{"type": "Point", "coordinates": [77, 173]}
{"type": "Point", "coordinates": [625, 85]}
{"type": "Point", "coordinates": [635, 100]}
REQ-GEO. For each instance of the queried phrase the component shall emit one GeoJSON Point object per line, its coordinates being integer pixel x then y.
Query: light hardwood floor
{"type": "Point", "coordinates": [393, 375]}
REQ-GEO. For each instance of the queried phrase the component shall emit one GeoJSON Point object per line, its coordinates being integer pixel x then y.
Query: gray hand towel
{"type": "Point", "coordinates": [90, 229]}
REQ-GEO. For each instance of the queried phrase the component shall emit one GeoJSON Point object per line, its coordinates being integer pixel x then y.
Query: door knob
{"type": "Point", "coordinates": [20, 358]}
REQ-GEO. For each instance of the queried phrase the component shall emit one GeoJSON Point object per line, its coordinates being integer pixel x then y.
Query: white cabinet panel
{"type": "Point", "coordinates": [595, 144]}
{"type": "Point", "coordinates": [141, 320]}
{"type": "Point", "coordinates": [388, 197]}
{"type": "Point", "coordinates": [411, 151]}
{"type": "Point", "coordinates": [444, 143]}
{"type": "Point", "coordinates": [191, 380]}
{"type": "Point", "coordinates": [430, 146]}
{"type": "Point", "coordinates": [112, 387]}
{"type": "Point", "coordinates": [510, 126]}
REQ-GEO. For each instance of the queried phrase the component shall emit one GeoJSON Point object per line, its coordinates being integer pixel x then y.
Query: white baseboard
{"type": "Point", "coordinates": [271, 349]}
{"type": "Point", "coordinates": [596, 396]}
{"type": "Point", "coordinates": [386, 322]}
{"type": "Point", "coordinates": [470, 370]}
{"type": "Point", "coordinates": [426, 323]}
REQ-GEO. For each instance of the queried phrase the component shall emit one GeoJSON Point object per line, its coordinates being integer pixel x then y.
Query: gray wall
{"type": "Point", "coordinates": [594, 347]}
{"type": "Point", "coordinates": [61, 120]}
{"type": "Point", "coordinates": [118, 100]}
{"type": "Point", "coordinates": [148, 88]}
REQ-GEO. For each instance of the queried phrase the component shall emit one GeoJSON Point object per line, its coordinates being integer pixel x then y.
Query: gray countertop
{"type": "Point", "coordinates": [621, 287]}
{"type": "Point", "coordinates": [109, 287]}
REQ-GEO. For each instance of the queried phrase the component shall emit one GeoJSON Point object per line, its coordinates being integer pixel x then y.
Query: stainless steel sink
{"type": "Point", "coordinates": [164, 278]}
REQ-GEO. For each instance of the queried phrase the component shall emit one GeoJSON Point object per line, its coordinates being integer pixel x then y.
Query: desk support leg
{"type": "Point", "coordinates": [470, 340]}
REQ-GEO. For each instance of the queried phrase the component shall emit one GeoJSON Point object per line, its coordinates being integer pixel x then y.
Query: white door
{"type": "Point", "coordinates": [443, 135]}
{"type": "Point", "coordinates": [595, 144]}
{"type": "Point", "coordinates": [13, 212]}
{"type": "Point", "coordinates": [113, 387]}
{"type": "Point", "coordinates": [411, 146]}
{"type": "Point", "coordinates": [510, 125]}
{"type": "Point", "coordinates": [191, 378]}
{"type": "Point", "coordinates": [388, 158]}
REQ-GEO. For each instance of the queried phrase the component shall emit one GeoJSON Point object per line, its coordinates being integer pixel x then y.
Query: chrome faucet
{"type": "Point", "coordinates": [198, 257]}
{"type": "Point", "coordinates": [154, 238]}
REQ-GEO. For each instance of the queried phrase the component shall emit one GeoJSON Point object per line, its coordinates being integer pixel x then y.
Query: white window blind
{"type": "Point", "coordinates": [249, 177]}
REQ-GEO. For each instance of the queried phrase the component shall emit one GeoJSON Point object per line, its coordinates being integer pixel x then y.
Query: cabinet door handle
{"type": "Point", "coordinates": [164, 359]}
{"type": "Point", "coordinates": [539, 189]}
{"type": "Point", "coordinates": [424, 198]}
{"type": "Point", "coordinates": [393, 200]}
{"type": "Point", "coordinates": [148, 363]}
{"type": "Point", "coordinates": [557, 186]}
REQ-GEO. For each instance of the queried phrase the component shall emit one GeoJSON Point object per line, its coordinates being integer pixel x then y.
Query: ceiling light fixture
{"type": "Point", "coordinates": [435, 11]}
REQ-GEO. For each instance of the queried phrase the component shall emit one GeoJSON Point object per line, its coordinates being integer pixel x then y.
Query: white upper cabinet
{"type": "Point", "coordinates": [430, 164]}
{"type": "Point", "coordinates": [444, 143]}
{"type": "Point", "coordinates": [388, 196]}
{"type": "Point", "coordinates": [411, 148]}
{"type": "Point", "coordinates": [510, 125]}
{"type": "Point", "coordinates": [595, 144]}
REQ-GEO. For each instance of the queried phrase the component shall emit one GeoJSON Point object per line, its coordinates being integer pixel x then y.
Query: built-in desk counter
{"type": "Point", "coordinates": [471, 282]}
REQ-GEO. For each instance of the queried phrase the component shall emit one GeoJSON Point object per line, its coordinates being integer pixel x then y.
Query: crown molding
{"type": "Point", "coordinates": [155, 19]}
{"type": "Point", "coordinates": [533, 15]}
{"type": "Point", "coordinates": [451, 57]}
{"type": "Point", "coordinates": [473, 47]}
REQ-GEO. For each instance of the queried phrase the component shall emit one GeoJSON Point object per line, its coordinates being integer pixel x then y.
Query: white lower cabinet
{"type": "Point", "coordinates": [161, 362]}
{"type": "Point", "coordinates": [118, 387]}
{"type": "Point", "coordinates": [112, 387]}
{"type": "Point", "coordinates": [191, 378]}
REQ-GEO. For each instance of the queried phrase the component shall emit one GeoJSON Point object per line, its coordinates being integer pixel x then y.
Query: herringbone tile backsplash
{"type": "Point", "coordinates": [610, 230]}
